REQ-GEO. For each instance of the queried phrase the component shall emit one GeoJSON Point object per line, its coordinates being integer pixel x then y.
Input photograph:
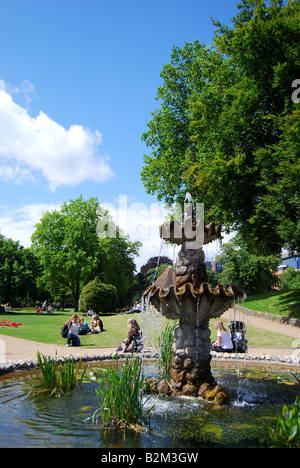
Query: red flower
{"type": "Point", "coordinates": [6, 323]}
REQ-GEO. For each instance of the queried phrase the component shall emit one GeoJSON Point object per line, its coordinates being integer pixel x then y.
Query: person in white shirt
{"type": "Point", "coordinates": [224, 343]}
{"type": "Point", "coordinates": [73, 325]}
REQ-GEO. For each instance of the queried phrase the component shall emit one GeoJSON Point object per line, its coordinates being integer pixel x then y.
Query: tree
{"type": "Point", "coordinates": [72, 254]}
{"type": "Point", "coordinates": [18, 271]}
{"type": "Point", "coordinates": [154, 273]}
{"type": "Point", "coordinates": [252, 273]}
{"type": "Point", "coordinates": [223, 129]}
{"type": "Point", "coordinates": [117, 267]}
{"type": "Point", "coordinates": [290, 280]}
{"type": "Point", "coordinates": [153, 264]}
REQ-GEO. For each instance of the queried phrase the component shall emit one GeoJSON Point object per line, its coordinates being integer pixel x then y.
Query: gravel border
{"type": "Point", "coordinates": [10, 367]}
{"type": "Point", "coordinates": [294, 359]}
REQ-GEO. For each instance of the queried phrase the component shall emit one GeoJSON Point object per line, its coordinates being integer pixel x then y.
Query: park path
{"type": "Point", "coordinates": [263, 323]}
{"type": "Point", "coordinates": [16, 349]}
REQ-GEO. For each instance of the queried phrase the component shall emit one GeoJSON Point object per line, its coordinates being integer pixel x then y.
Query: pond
{"type": "Point", "coordinates": [257, 394]}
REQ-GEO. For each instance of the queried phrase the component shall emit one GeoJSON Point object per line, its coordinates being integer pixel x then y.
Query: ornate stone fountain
{"type": "Point", "coordinates": [184, 294]}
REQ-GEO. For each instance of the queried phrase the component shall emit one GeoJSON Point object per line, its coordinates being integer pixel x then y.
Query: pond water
{"type": "Point", "coordinates": [257, 395]}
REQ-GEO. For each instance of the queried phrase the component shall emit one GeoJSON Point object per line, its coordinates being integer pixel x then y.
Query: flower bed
{"type": "Point", "coordinates": [7, 323]}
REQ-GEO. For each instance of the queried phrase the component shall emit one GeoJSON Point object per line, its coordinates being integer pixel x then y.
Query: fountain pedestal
{"type": "Point", "coordinates": [183, 294]}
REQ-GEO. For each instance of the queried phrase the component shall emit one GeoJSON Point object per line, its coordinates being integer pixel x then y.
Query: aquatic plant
{"type": "Point", "coordinates": [48, 379]}
{"type": "Point", "coordinates": [70, 375]}
{"type": "Point", "coordinates": [57, 379]}
{"type": "Point", "coordinates": [164, 348]}
{"type": "Point", "coordinates": [287, 430]}
{"type": "Point", "coordinates": [120, 396]}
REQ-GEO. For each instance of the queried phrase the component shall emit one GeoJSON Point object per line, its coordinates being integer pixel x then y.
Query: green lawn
{"type": "Point", "coordinates": [45, 328]}
{"type": "Point", "coordinates": [277, 303]}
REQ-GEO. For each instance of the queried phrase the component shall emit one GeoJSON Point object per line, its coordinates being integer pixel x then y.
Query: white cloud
{"type": "Point", "coordinates": [18, 224]}
{"type": "Point", "coordinates": [141, 223]}
{"type": "Point", "coordinates": [31, 147]}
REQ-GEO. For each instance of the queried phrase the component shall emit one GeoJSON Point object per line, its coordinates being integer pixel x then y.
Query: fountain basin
{"type": "Point", "coordinates": [257, 394]}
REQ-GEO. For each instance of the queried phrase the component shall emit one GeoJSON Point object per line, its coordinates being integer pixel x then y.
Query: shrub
{"type": "Point", "coordinates": [290, 279]}
{"type": "Point", "coordinates": [100, 297]}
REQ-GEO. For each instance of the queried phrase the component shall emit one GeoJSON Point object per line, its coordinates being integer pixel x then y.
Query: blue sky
{"type": "Point", "coordinates": [78, 81]}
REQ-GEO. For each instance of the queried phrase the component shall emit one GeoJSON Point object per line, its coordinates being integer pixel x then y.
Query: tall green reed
{"type": "Point", "coordinates": [120, 396]}
{"type": "Point", "coordinates": [57, 379]}
{"type": "Point", "coordinates": [70, 375]}
{"type": "Point", "coordinates": [48, 379]}
{"type": "Point", "coordinates": [164, 347]}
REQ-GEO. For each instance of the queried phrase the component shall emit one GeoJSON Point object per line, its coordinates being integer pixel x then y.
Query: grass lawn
{"type": "Point", "coordinates": [277, 303]}
{"type": "Point", "coordinates": [45, 328]}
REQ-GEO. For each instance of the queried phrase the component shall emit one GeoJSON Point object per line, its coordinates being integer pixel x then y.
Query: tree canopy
{"type": "Point", "coordinates": [18, 271]}
{"type": "Point", "coordinates": [227, 129]}
{"type": "Point", "coordinates": [252, 273]}
{"type": "Point", "coordinates": [72, 254]}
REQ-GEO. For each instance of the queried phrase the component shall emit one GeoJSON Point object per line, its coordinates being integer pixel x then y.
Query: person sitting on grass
{"type": "Point", "coordinates": [84, 329]}
{"type": "Point", "coordinates": [73, 326]}
{"type": "Point", "coordinates": [96, 325]}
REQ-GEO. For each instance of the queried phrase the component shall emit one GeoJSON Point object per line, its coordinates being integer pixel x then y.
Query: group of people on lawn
{"type": "Point", "coordinates": [77, 326]}
{"type": "Point", "coordinates": [134, 341]}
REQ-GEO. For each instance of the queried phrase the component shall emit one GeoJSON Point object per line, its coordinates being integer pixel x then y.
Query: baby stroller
{"type": "Point", "coordinates": [238, 336]}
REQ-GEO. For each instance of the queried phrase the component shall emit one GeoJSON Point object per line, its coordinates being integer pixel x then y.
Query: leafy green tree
{"type": "Point", "coordinates": [212, 277]}
{"type": "Point", "coordinates": [154, 273]}
{"type": "Point", "coordinates": [71, 253]}
{"type": "Point", "coordinates": [252, 273]}
{"type": "Point", "coordinates": [117, 267]}
{"type": "Point", "coordinates": [18, 271]}
{"type": "Point", "coordinates": [152, 264]}
{"type": "Point", "coordinates": [226, 124]}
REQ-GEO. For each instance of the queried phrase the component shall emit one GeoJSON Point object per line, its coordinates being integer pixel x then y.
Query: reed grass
{"type": "Point", "coordinates": [48, 379]}
{"type": "Point", "coordinates": [164, 347]}
{"type": "Point", "coordinates": [57, 379]}
{"type": "Point", "coordinates": [120, 396]}
{"type": "Point", "coordinates": [70, 375]}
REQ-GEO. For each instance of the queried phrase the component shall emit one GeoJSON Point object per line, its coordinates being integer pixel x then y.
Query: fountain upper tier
{"type": "Point", "coordinates": [184, 293]}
